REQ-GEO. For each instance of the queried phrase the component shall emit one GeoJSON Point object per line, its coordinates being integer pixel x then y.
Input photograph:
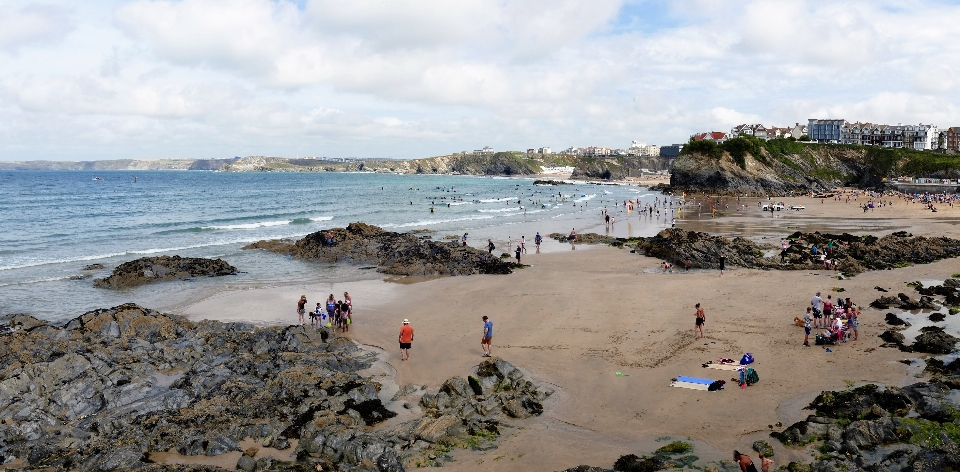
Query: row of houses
{"type": "Point", "coordinates": [839, 131]}
{"type": "Point", "coordinates": [919, 137]}
{"type": "Point", "coordinates": [636, 149]}
{"type": "Point", "coordinates": [797, 131]}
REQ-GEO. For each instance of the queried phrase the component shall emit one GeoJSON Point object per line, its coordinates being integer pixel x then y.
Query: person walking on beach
{"type": "Point", "coordinates": [518, 251]}
{"type": "Point", "coordinates": [723, 260]}
{"type": "Point", "coordinates": [523, 244]}
{"type": "Point", "coordinates": [806, 327]}
{"type": "Point", "coordinates": [744, 461]}
{"type": "Point", "coordinates": [301, 307]}
{"type": "Point", "coordinates": [537, 240]}
{"type": "Point", "coordinates": [487, 340]}
{"type": "Point", "coordinates": [701, 319]}
{"type": "Point", "coordinates": [490, 246]}
{"type": "Point", "coordinates": [573, 238]}
{"type": "Point", "coordinates": [406, 340]}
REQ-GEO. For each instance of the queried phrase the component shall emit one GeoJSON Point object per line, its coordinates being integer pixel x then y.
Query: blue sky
{"type": "Point", "coordinates": [219, 78]}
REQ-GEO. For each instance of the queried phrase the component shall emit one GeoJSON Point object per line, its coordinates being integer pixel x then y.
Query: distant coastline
{"type": "Point", "coordinates": [499, 164]}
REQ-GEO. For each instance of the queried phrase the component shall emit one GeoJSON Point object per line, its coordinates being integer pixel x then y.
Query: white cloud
{"type": "Point", "coordinates": [406, 79]}
{"type": "Point", "coordinates": [31, 25]}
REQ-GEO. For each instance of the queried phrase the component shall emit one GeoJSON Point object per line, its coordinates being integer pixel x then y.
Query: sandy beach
{"type": "Point", "coordinates": [573, 319]}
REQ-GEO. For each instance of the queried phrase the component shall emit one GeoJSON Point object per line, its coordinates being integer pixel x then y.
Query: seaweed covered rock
{"type": "Point", "coordinates": [498, 389]}
{"type": "Point", "coordinates": [160, 268]}
{"type": "Point", "coordinates": [908, 429]}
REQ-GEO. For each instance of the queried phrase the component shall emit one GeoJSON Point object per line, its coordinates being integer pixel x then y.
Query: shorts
{"type": "Point", "coordinates": [699, 321]}
{"type": "Point", "coordinates": [827, 312]}
{"type": "Point", "coordinates": [301, 311]}
{"type": "Point", "coordinates": [817, 314]}
{"type": "Point", "coordinates": [806, 330]}
{"type": "Point", "coordinates": [486, 340]}
{"type": "Point", "coordinates": [405, 345]}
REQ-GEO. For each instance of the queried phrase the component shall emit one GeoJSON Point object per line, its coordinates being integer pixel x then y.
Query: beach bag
{"type": "Point", "coordinates": [746, 359]}
{"type": "Point", "coordinates": [751, 376]}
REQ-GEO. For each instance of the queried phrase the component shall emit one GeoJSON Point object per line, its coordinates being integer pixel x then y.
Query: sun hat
{"type": "Point", "coordinates": [406, 321]}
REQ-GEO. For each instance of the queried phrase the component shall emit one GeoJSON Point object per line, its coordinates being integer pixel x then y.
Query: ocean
{"type": "Point", "coordinates": [57, 222]}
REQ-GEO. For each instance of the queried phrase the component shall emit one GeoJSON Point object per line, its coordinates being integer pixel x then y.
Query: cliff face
{"type": "Point", "coordinates": [812, 168]}
{"type": "Point", "coordinates": [617, 168]}
{"type": "Point", "coordinates": [501, 163]}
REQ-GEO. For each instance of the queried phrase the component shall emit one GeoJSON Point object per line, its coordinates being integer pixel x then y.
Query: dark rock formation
{"type": "Point", "coordinates": [392, 253]}
{"type": "Point", "coordinates": [894, 320]}
{"type": "Point", "coordinates": [896, 429]}
{"type": "Point", "coordinates": [113, 386]}
{"type": "Point", "coordinates": [934, 340]}
{"type": "Point", "coordinates": [585, 238]}
{"type": "Point", "coordinates": [93, 267]}
{"type": "Point", "coordinates": [550, 182]}
{"type": "Point", "coordinates": [703, 250]}
{"type": "Point", "coordinates": [156, 269]}
{"type": "Point", "coordinates": [931, 340]}
{"type": "Point", "coordinates": [274, 245]}
{"type": "Point", "coordinates": [854, 254]}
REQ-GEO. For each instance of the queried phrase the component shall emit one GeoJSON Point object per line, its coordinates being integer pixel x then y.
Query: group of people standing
{"type": "Point", "coordinates": [839, 320]}
{"type": "Point", "coordinates": [333, 313]}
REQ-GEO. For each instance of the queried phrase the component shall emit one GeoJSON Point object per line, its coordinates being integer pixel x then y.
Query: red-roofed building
{"type": "Point", "coordinates": [715, 136]}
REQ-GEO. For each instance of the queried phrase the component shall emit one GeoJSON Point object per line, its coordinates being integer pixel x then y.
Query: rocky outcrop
{"type": "Point", "coordinates": [392, 253]}
{"type": "Point", "coordinates": [706, 173]}
{"type": "Point", "coordinates": [618, 168]}
{"type": "Point", "coordinates": [114, 386]}
{"type": "Point", "coordinates": [854, 254]}
{"type": "Point", "coordinates": [157, 269]}
{"type": "Point", "coordinates": [868, 428]}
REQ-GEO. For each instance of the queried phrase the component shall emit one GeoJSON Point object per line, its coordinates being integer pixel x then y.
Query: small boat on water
{"type": "Point", "coordinates": [98, 178]}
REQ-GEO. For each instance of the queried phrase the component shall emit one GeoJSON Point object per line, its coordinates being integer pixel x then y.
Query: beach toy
{"type": "Point", "coordinates": [619, 374]}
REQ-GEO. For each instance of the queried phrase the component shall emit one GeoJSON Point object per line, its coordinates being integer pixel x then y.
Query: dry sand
{"type": "Point", "coordinates": [575, 318]}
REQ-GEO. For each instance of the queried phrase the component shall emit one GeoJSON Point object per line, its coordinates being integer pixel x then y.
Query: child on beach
{"type": "Point", "coordinates": [301, 310]}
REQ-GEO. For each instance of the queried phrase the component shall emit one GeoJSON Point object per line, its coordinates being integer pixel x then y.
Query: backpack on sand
{"type": "Point", "coordinates": [752, 376]}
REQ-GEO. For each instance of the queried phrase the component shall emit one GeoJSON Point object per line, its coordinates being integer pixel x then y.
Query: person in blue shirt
{"type": "Point", "coordinates": [485, 343]}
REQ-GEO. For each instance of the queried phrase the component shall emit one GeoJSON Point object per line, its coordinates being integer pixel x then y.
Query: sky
{"type": "Point", "coordinates": [108, 79]}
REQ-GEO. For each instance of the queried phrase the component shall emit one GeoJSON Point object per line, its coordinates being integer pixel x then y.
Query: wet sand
{"type": "Point", "coordinates": [575, 318]}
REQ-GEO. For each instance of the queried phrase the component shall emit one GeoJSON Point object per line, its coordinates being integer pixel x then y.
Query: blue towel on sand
{"type": "Point", "coordinates": [694, 380]}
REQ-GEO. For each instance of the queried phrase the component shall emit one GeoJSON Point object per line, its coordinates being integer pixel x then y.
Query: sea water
{"type": "Point", "coordinates": [56, 222]}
